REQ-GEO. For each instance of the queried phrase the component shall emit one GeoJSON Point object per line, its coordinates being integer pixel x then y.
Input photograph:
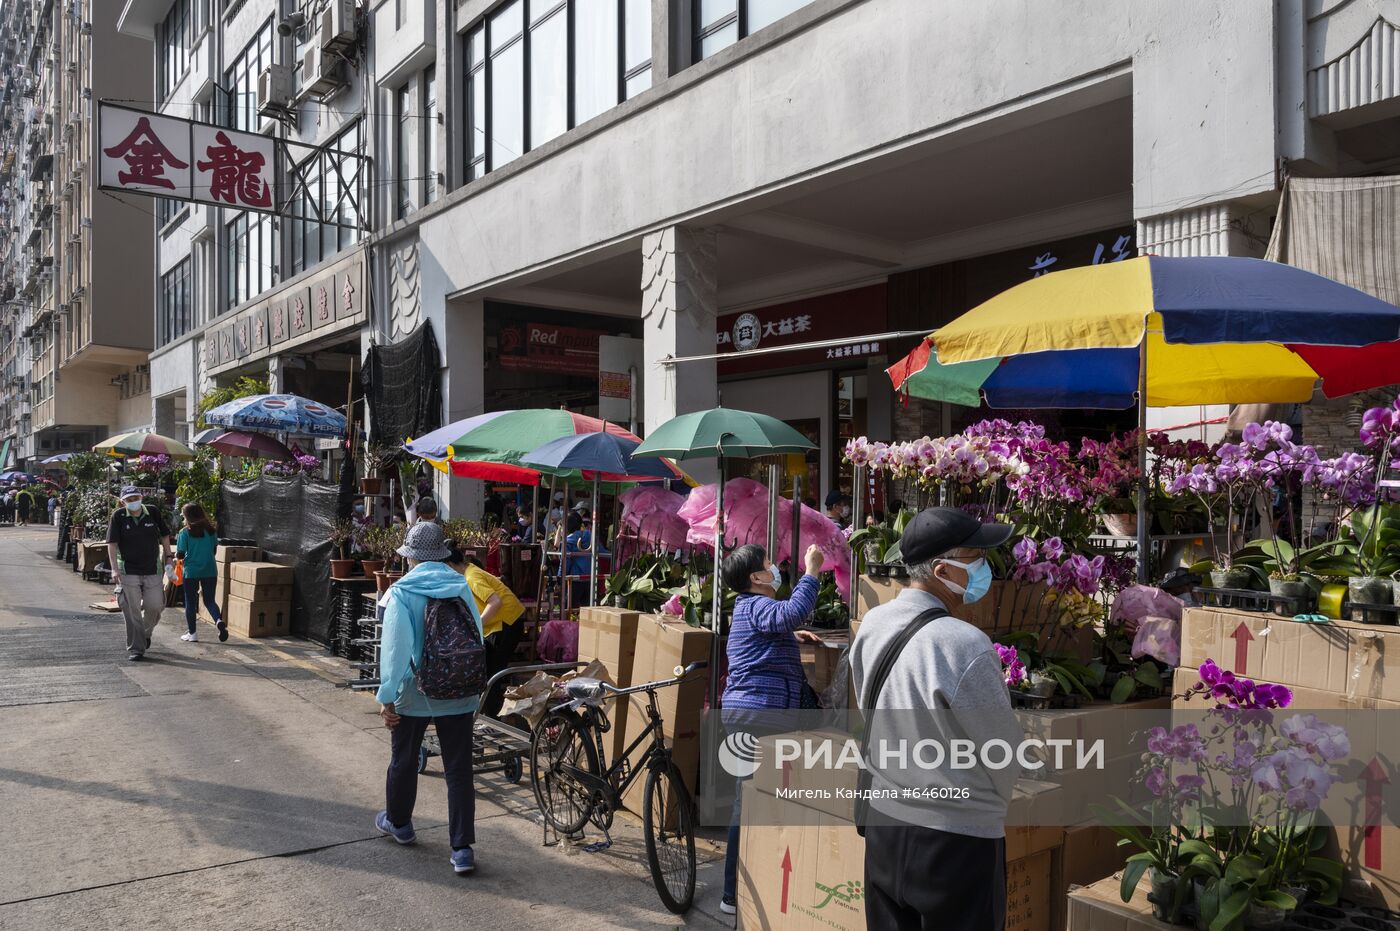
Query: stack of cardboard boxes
{"type": "Point", "coordinates": [802, 863]}
{"type": "Point", "coordinates": [224, 558]}
{"type": "Point", "coordinates": [1340, 665]}
{"type": "Point", "coordinates": [259, 599]}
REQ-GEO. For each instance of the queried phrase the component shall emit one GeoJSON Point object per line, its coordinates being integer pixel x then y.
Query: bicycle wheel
{"type": "Point", "coordinates": [561, 741]}
{"type": "Point", "coordinates": [668, 819]}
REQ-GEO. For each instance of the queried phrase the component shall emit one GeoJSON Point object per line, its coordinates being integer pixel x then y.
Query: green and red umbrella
{"type": "Point", "coordinates": [493, 446]}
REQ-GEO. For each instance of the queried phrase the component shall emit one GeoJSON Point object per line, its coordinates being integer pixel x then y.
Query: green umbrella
{"type": "Point", "coordinates": [722, 432]}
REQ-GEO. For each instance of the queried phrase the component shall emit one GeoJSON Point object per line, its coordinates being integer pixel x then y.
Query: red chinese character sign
{"type": "Point", "coordinates": [144, 153]}
{"type": "Point", "coordinates": [232, 168]}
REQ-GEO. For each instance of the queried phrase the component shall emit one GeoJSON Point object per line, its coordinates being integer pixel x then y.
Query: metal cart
{"type": "Point", "coordinates": [497, 747]}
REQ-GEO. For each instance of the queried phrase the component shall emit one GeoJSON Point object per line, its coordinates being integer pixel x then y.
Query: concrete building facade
{"type": "Point", "coordinates": [76, 322]}
{"type": "Point", "coordinates": [555, 181]}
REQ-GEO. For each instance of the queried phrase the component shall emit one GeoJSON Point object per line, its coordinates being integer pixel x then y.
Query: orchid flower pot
{"type": "Point", "coordinates": [1121, 525]}
{"type": "Point", "coordinates": [1165, 887]}
{"type": "Point", "coordinates": [1367, 589]}
{"type": "Point", "coordinates": [1298, 593]}
{"type": "Point", "coordinates": [1259, 917]}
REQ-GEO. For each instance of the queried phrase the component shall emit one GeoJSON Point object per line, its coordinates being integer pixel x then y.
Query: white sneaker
{"type": "Point", "coordinates": [190, 638]}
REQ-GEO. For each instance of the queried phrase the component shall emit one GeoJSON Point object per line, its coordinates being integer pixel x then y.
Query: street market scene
{"type": "Point", "coordinates": [774, 464]}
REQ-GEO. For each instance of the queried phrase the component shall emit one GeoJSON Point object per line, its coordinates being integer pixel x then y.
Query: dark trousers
{"type": "Point", "coordinates": [919, 879]}
{"type": "Point", "coordinates": [401, 786]}
{"type": "Point", "coordinates": [500, 647]}
{"type": "Point", "coordinates": [192, 588]}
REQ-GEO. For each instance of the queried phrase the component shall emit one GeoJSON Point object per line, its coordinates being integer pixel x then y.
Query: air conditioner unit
{"type": "Point", "coordinates": [274, 89]}
{"type": "Point", "coordinates": [320, 72]}
{"type": "Point", "coordinates": [338, 25]}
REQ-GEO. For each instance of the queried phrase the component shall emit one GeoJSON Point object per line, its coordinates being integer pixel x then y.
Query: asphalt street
{"type": "Point", "coordinates": [234, 786]}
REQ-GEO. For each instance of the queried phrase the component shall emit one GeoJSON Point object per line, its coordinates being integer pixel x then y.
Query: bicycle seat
{"type": "Point", "coordinates": [586, 690]}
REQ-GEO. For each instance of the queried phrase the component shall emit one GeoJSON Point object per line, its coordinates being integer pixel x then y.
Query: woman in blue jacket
{"type": "Point", "coordinates": [407, 711]}
{"type": "Point", "coordinates": [765, 665]}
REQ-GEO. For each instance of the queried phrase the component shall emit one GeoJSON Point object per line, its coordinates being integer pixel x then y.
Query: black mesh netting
{"type": "Point", "coordinates": [291, 519]}
{"type": "Point", "coordinates": [402, 387]}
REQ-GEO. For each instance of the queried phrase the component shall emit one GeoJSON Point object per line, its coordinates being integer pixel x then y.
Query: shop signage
{"type": "Point", "coordinates": [544, 346]}
{"type": "Point", "coordinates": [290, 318]}
{"type": "Point", "coordinates": [855, 314]}
{"type": "Point", "coordinates": [615, 385]}
{"type": "Point", "coordinates": [145, 153]}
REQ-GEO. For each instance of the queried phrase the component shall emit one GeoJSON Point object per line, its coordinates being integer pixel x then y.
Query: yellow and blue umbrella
{"type": "Point", "coordinates": [1203, 330]}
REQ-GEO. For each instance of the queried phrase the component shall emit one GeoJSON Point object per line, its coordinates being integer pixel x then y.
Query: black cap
{"type": "Point", "coordinates": [836, 497]}
{"type": "Point", "coordinates": [935, 531]}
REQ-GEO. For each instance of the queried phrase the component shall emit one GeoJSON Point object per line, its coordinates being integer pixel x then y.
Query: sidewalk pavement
{"type": "Point", "coordinates": [234, 786]}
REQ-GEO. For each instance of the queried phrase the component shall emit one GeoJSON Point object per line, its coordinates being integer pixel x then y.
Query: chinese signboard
{"type": "Point", "coordinates": [290, 317]}
{"type": "Point", "coordinates": [854, 314]}
{"type": "Point", "coordinates": [146, 153]}
{"type": "Point", "coordinates": [544, 346]}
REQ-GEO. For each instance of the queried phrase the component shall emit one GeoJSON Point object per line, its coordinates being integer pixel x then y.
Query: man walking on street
{"type": "Point", "coordinates": [936, 858]}
{"type": "Point", "coordinates": [134, 535]}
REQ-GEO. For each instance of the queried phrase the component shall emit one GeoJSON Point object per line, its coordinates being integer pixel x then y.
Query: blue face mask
{"type": "Point", "coordinates": [777, 576]}
{"type": "Point", "coordinates": [979, 580]}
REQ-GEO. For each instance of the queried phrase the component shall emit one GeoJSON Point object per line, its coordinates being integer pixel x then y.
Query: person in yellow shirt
{"type": "Point", "coordinates": [500, 620]}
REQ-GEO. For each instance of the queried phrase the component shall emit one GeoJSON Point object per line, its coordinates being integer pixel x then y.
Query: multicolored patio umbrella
{"type": "Point", "coordinates": [240, 443]}
{"type": "Point", "coordinates": [1216, 330]}
{"type": "Point", "coordinates": [144, 444]}
{"type": "Point", "coordinates": [279, 413]}
{"type": "Point", "coordinates": [493, 446]}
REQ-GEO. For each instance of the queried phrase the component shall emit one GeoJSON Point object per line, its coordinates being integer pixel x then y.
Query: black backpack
{"type": "Point", "coordinates": [454, 654]}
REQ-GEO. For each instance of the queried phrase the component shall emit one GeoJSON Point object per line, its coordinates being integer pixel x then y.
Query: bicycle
{"type": "Point", "coordinates": [573, 788]}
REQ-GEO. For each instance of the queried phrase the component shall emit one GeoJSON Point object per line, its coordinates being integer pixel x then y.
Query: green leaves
{"type": "Point", "coordinates": [1122, 691]}
{"type": "Point", "coordinates": [1132, 874]}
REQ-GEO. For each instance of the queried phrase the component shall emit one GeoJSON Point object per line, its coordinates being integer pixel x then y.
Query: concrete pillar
{"type": "Point", "coordinates": [276, 374]}
{"type": "Point", "coordinates": [463, 393]}
{"type": "Point", "coordinates": [679, 304]}
{"type": "Point", "coordinates": [672, 39]}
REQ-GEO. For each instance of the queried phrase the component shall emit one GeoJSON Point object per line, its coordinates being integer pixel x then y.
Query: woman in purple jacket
{"type": "Point", "coordinates": [765, 665]}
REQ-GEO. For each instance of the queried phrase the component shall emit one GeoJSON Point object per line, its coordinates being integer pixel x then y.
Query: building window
{"type": "Point", "coordinates": [310, 240]}
{"type": "Point", "coordinates": [429, 135]}
{"type": "Point", "coordinates": [403, 147]}
{"type": "Point", "coordinates": [537, 68]}
{"type": "Point", "coordinates": [167, 209]}
{"type": "Point", "coordinates": [175, 36]}
{"type": "Point", "coordinates": [241, 81]}
{"type": "Point", "coordinates": [251, 256]}
{"type": "Point", "coordinates": [176, 304]}
{"type": "Point", "coordinates": [721, 23]}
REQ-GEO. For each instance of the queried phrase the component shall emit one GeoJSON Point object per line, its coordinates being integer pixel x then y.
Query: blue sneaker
{"type": "Point", "coordinates": [463, 861]}
{"type": "Point", "coordinates": [403, 835]}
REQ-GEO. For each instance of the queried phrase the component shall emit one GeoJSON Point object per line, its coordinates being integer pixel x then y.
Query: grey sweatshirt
{"type": "Point", "coordinates": [950, 669]}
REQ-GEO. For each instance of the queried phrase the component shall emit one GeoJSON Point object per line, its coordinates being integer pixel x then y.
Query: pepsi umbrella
{"type": "Point", "coordinates": [278, 413]}
{"type": "Point", "coordinates": [596, 454]}
{"type": "Point", "coordinates": [59, 459]}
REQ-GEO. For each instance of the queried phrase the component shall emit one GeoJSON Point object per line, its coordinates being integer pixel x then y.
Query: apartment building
{"type": "Point", "coordinates": [288, 292]}
{"type": "Point", "coordinates": [76, 321]}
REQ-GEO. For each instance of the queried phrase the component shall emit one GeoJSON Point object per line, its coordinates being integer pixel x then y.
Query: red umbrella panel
{"type": "Point", "coordinates": [249, 445]}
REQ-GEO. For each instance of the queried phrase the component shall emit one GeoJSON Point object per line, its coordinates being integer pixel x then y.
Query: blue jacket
{"type": "Point", "coordinates": [765, 665]}
{"type": "Point", "coordinates": [402, 607]}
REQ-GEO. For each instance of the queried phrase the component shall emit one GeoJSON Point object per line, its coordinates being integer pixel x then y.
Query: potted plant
{"type": "Point", "coordinates": [1376, 529]}
{"type": "Point", "coordinates": [383, 543]}
{"type": "Point", "coordinates": [342, 534]}
{"type": "Point", "coordinates": [378, 456]}
{"type": "Point", "coordinates": [376, 544]}
{"type": "Point", "coordinates": [1113, 480]}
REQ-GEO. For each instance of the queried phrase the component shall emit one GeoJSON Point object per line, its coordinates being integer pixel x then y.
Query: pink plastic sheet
{"type": "Point", "coordinates": [650, 519]}
{"type": "Point", "coordinates": [558, 642]}
{"type": "Point", "coordinates": [746, 521]}
{"type": "Point", "coordinates": [1155, 618]}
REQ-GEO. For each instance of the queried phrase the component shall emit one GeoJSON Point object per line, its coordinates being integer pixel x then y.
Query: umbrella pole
{"type": "Point", "coordinates": [773, 479]}
{"type": "Point", "coordinates": [593, 546]}
{"type": "Point", "coordinates": [1143, 542]}
{"type": "Point", "coordinates": [717, 584]}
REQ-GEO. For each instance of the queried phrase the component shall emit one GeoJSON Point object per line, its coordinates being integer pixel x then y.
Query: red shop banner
{"type": "Point", "coordinates": [544, 346]}
{"type": "Point", "coordinates": [847, 315]}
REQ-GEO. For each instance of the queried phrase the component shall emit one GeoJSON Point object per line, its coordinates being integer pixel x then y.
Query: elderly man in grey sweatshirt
{"type": "Point", "coordinates": [935, 854]}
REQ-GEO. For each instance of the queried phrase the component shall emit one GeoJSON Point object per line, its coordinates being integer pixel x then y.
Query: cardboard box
{"type": "Point", "coordinates": [258, 618]}
{"type": "Point", "coordinates": [91, 555]}
{"type": "Point", "coordinates": [260, 592]}
{"type": "Point", "coordinates": [662, 645]}
{"type": "Point", "coordinates": [610, 635]}
{"type": "Point", "coordinates": [820, 660]}
{"type": "Point", "coordinates": [230, 554]}
{"type": "Point", "coordinates": [1344, 657]}
{"type": "Point", "coordinates": [800, 870]}
{"type": "Point", "coordinates": [260, 573]}
{"type": "Point", "coordinates": [1090, 854]}
{"type": "Point", "coordinates": [1100, 907]}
